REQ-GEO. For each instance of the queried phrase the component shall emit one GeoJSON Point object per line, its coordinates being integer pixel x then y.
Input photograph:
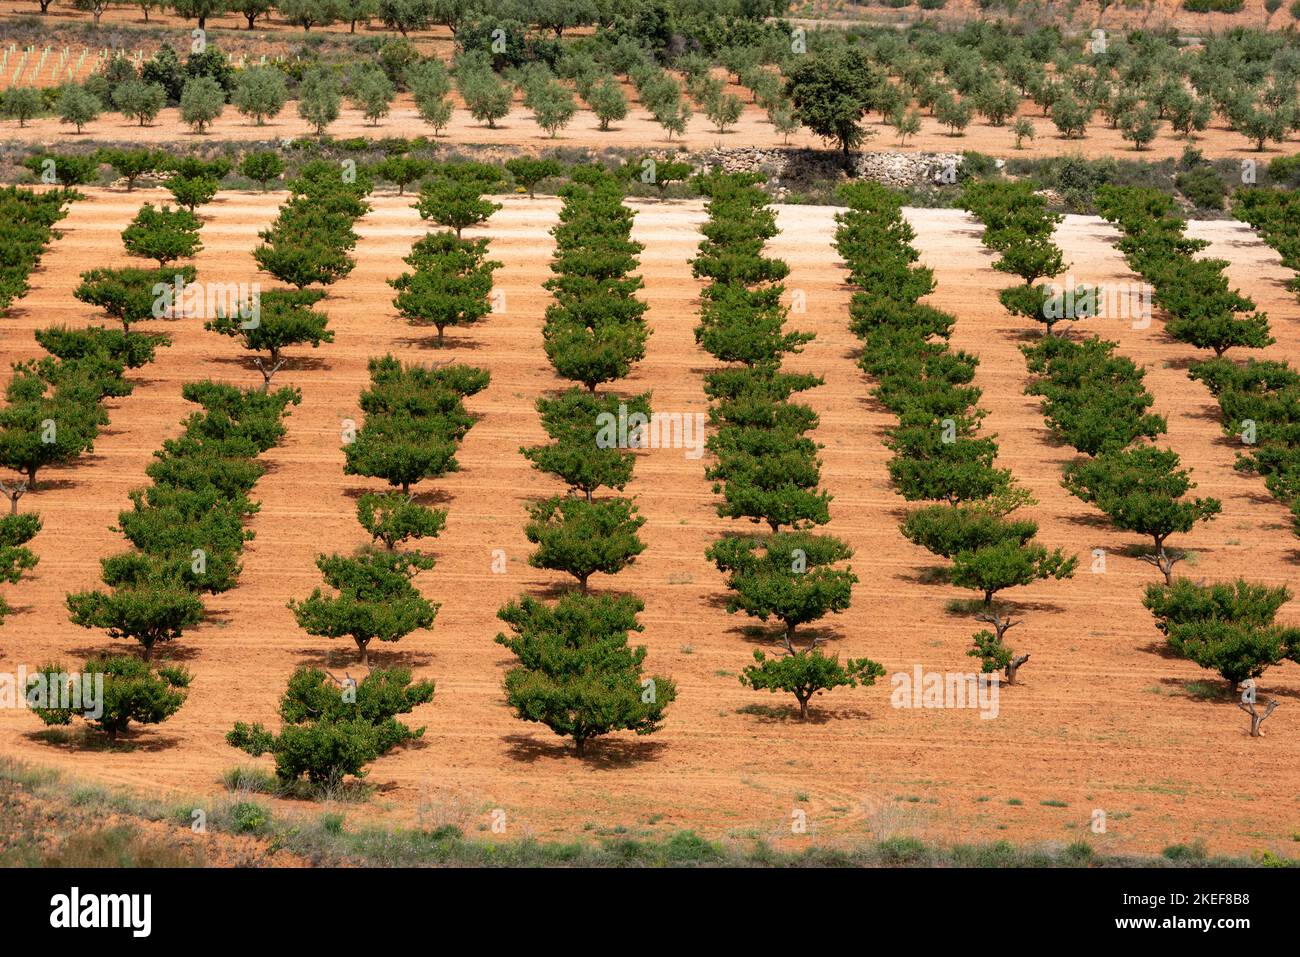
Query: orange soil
{"type": "Point", "coordinates": [638, 132]}
{"type": "Point", "coordinates": [1102, 719]}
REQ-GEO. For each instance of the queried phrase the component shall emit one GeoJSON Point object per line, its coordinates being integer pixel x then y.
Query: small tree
{"type": "Point", "coordinates": [199, 10]}
{"type": "Point", "coordinates": [132, 692]}
{"type": "Point", "coordinates": [191, 192]}
{"type": "Point", "coordinates": [132, 164]}
{"type": "Point", "coordinates": [576, 673]}
{"type": "Point", "coordinates": [39, 433]}
{"type": "Point", "coordinates": [318, 100]}
{"type": "Point", "coordinates": [608, 102]}
{"type": "Point", "coordinates": [1226, 627]}
{"type": "Point", "coordinates": [783, 120]}
{"type": "Point", "coordinates": [15, 558]}
{"type": "Point", "coordinates": [202, 101]}
{"type": "Point", "coordinates": [250, 10]}
{"type": "Point", "coordinates": [331, 730]}
{"type": "Point", "coordinates": [553, 108]}
{"type": "Point", "coordinates": [281, 319]}
{"type": "Point", "coordinates": [22, 103]}
{"type": "Point", "coordinates": [906, 123]}
{"type": "Point", "coordinates": [1030, 257]}
{"type": "Point", "coordinates": [790, 579]}
{"type": "Point", "coordinates": [1071, 116]}
{"type": "Point", "coordinates": [164, 234]}
{"type": "Point", "coordinates": [581, 538]}
{"type": "Point", "coordinates": [372, 93]}
{"type": "Point", "coordinates": [392, 519]}
{"type": "Point", "coordinates": [1046, 304]}
{"type": "Point", "coordinates": [454, 204]}
{"type": "Point", "coordinates": [375, 599]}
{"type": "Point", "coordinates": [262, 166]}
{"type": "Point", "coordinates": [78, 107]}
{"type": "Point", "coordinates": [947, 530]}
{"type": "Point", "coordinates": [132, 294]}
{"type": "Point", "coordinates": [1023, 129]}
{"type": "Point", "coordinates": [528, 172]}
{"type": "Point", "coordinates": [1142, 490]}
{"type": "Point", "coordinates": [450, 285]}
{"type": "Point", "coordinates": [831, 92]}
{"type": "Point", "coordinates": [260, 92]}
{"type": "Point", "coordinates": [140, 101]}
{"type": "Point", "coordinates": [993, 651]}
{"type": "Point", "coordinates": [806, 673]}
{"type": "Point", "coordinates": [724, 111]}
{"type": "Point", "coordinates": [582, 454]}
{"type": "Point", "coordinates": [149, 613]}
{"type": "Point", "coordinates": [400, 170]}
{"type": "Point", "coordinates": [399, 450]}
{"type": "Point", "coordinates": [953, 113]}
{"type": "Point", "coordinates": [1006, 564]}
{"type": "Point", "coordinates": [487, 98]}
{"type": "Point", "coordinates": [1140, 126]}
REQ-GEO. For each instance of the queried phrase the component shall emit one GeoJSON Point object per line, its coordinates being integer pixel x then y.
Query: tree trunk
{"type": "Point", "coordinates": [1013, 666]}
{"type": "Point", "coordinates": [789, 637]}
{"type": "Point", "coordinates": [580, 745]}
{"type": "Point", "coordinates": [148, 650]}
{"type": "Point", "coordinates": [440, 329]}
{"type": "Point", "coordinates": [582, 583]}
{"type": "Point", "coordinates": [364, 648]}
{"type": "Point", "coordinates": [803, 708]}
{"type": "Point", "coordinates": [1256, 719]}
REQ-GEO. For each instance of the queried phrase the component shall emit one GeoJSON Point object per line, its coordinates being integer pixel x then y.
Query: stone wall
{"type": "Point", "coordinates": [788, 168]}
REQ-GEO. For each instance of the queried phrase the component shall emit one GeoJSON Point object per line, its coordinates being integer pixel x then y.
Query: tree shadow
{"type": "Point", "coordinates": [343, 658]}
{"type": "Point", "coordinates": [1089, 519]}
{"type": "Point", "coordinates": [1181, 362]}
{"type": "Point", "coordinates": [87, 740]}
{"type": "Point", "coordinates": [789, 714]}
{"type": "Point", "coordinates": [429, 498]}
{"type": "Point", "coordinates": [162, 655]}
{"type": "Point", "coordinates": [449, 342]}
{"type": "Point", "coordinates": [926, 575]}
{"type": "Point", "coordinates": [603, 754]}
{"type": "Point", "coordinates": [56, 484]}
{"type": "Point", "coordinates": [291, 364]}
{"type": "Point", "coordinates": [1162, 649]}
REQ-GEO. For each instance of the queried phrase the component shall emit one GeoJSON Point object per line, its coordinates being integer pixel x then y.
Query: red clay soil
{"type": "Point", "coordinates": [1101, 718]}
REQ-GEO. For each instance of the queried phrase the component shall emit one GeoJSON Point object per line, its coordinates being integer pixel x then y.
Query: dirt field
{"type": "Point", "coordinates": [1101, 719]}
{"type": "Point", "coordinates": [638, 132]}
